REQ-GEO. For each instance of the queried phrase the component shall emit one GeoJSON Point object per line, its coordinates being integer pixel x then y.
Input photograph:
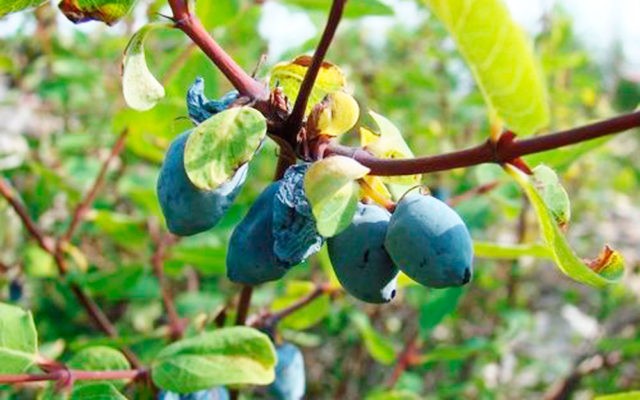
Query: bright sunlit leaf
{"type": "Point", "coordinates": [8, 6]}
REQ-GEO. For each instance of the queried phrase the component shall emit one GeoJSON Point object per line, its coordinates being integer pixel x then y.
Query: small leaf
{"type": "Point", "coordinates": [8, 6]}
{"type": "Point", "coordinates": [501, 59]}
{"type": "Point", "coordinates": [334, 115]}
{"type": "Point", "coordinates": [333, 192]}
{"type": "Point", "coordinates": [222, 144]}
{"type": "Point", "coordinates": [99, 358]}
{"type": "Point", "coordinates": [289, 75]}
{"type": "Point", "coordinates": [228, 356]}
{"type": "Point", "coordinates": [388, 143]}
{"type": "Point", "coordinates": [107, 11]}
{"type": "Point", "coordinates": [306, 317]}
{"type": "Point", "coordinates": [606, 269]}
{"type": "Point", "coordinates": [439, 304]}
{"type": "Point", "coordinates": [555, 197]}
{"type": "Point", "coordinates": [96, 391]}
{"type": "Point", "coordinates": [18, 339]}
{"type": "Point", "coordinates": [378, 346]}
{"type": "Point", "coordinates": [140, 88]}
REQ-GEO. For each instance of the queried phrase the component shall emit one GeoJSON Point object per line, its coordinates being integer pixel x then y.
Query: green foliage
{"type": "Point", "coordinates": [353, 9]}
{"type": "Point", "coordinates": [11, 6]}
{"type": "Point", "coordinates": [18, 339]}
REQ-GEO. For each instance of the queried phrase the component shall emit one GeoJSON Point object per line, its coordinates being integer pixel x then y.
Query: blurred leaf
{"type": "Point", "coordinates": [289, 76]}
{"type": "Point", "coordinates": [633, 395]}
{"type": "Point", "coordinates": [38, 263]}
{"type": "Point", "coordinates": [501, 60]}
{"type": "Point", "coordinates": [214, 14]}
{"type": "Point", "coordinates": [378, 346]}
{"type": "Point", "coordinates": [18, 339]}
{"type": "Point", "coordinates": [96, 391]}
{"type": "Point", "coordinates": [227, 356]}
{"type": "Point", "coordinates": [439, 303]}
{"type": "Point", "coordinates": [13, 150]}
{"type": "Point", "coordinates": [190, 304]}
{"type": "Point", "coordinates": [333, 192]}
{"type": "Point", "coordinates": [353, 9]}
{"type": "Point", "coordinates": [107, 11]}
{"type": "Point", "coordinates": [140, 88]}
{"type": "Point", "coordinates": [307, 316]}
{"type": "Point", "coordinates": [123, 229]}
{"type": "Point", "coordinates": [11, 6]}
{"type": "Point", "coordinates": [99, 358]}
{"type": "Point", "coordinates": [127, 282]}
{"type": "Point", "coordinates": [393, 395]}
{"type": "Point", "coordinates": [461, 352]}
{"type": "Point", "coordinates": [608, 268]}
{"type": "Point", "coordinates": [222, 144]}
{"type": "Point", "coordinates": [510, 251]}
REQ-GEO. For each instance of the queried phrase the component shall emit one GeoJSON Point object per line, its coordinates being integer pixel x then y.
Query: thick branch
{"type": "Point", "coordinates": [487, 152]}
{"type": "Point", "coordinates": [294, 122]}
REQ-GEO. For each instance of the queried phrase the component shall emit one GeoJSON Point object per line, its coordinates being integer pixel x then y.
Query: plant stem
{"type": "Point", "coordinates": [294, 122]}
{"type": "Point", "coordinates": [488, 152]}
{"type": "Point", "coordinates": [74, 375]}
{"type": "Point", "coordinates": [272, 319]}
{"type": "Point", "coordinates": [176, 325]}
{"type": "Point", "coordinates": [243, 304]}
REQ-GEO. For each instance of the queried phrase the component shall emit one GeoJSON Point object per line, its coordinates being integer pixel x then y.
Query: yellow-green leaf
{"type": "Point", "coordinates": [553, 194]}
{"type": "Point", "coordinates": [140, 88]}
{"type": "Point", "coordinates": [510, 251]}
{"type": "Point", "coordinates": [337, 113]}
{"type": "Point", "coordinates": [107, 11]}
{"type": "Point", "coordinates": [378, 346]}
{"type": "Point", "coordinates": [289, 75]}
{"type": "Point", "coordinates": [222, 144]}
{"type": "Point", "coordinates": [8, 6]}
{"type": "Point", "coordinates": [501, 59]}
{"type": "Point", "coordinates": [607, 268]}
{"type": "Point", "coordinates": [632, 395]}
{"type": "Point", "coordinates": [307, 316]}
{"type": "Point", "coordinates": [332, 191]}
{"type": "Point", "coordinates": [18, 339]}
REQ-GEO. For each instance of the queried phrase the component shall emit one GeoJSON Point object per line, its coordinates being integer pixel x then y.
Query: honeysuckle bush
{"type": "Point", "coordinates": [114, 99]}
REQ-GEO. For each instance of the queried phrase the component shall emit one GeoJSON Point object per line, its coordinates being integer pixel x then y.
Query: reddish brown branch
{"type": "Point", "coordinates": [471, 193]}
{"type": "Point", "coordinates": [176, 324]}
{"type": "Point", "coordinates": [406, 359]}
{"type": "Point", "coordinates": [294, 122]}
{"type": "Point", "coordinates": [73, 375]}
{"type": "Point", "coordinates": [487, 152]}
{"type": "Point", "coordinates": [83, 207]}
{"type": "Point", "coordinates": [243, 304]}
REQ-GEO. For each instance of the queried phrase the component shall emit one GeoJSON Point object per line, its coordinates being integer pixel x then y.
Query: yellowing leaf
{"type": "Point", "coordinates": [337, 113]}
{"type": "Point", "coordinates": [140, 88]}
{"type": "Point", "coordinates": [289, 76]}
{"type": "Point", "coordinates": [222, 144]}
{"type": "Point", "coordinates": [606, 269]}
{"type": "Point", "coordinates": [332, 191]}
{"type": "Point", "coordinates": [107, 11]}
{"type": "Point", "coordinates": [389, 143]}
{"type": "Point", "coordinates": [501, 59]}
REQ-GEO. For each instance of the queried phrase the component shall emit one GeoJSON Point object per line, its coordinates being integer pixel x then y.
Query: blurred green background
{"type": "Point", "coordinates": [517, 330]}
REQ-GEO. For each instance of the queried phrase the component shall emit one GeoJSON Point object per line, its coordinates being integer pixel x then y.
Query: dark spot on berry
{"type": "Point", "coordinates": [366, 256]}
{"type": "Point", "coordinates": [467, 276]}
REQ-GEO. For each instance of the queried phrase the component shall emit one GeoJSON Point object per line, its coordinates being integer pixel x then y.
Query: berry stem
{"type": "Point", "coordinates": [243, 304]}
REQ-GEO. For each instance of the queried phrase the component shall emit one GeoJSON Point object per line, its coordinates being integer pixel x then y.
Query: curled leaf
{"type": "Point", "coordinates": [553, 194]}
{"type": "Point", "coordinates": [608, 268]}
{"type": "Point", "coordinates": [107, 11]}
{"type": "Point", "coordinates": [140, 88]}
{"type": "Point", "coordinates": [334, 115]}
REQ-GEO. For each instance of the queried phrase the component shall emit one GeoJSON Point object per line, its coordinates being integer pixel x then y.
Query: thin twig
{"type": "Point", "coordinates": [487, 152]}
{"type": "Point", "coordinates": [74, 375]}
{"type": "Point", "coordinates": [406, 359]}
{"type": "Point", "coordinates": [271, 319]}
{"type": "Point", "coordinates": [176, 325]}
{"type": "Point", "coordinates": [243, 304]}
{"type": "Point", "coordinates": [471, 193]}
{"type": "Point", "coordinates": [294, 122]}
{"type": "Point", "coordinates": [83, 206]}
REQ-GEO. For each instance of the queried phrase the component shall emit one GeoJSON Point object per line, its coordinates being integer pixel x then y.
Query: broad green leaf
{"type": "Point", "coordinates": [331, 187]}
{"type": "Point", "coordinates": [222, 144]}
{"type": "Point", "coordinates": [501, 59]}
{"type": "Point", "coordinates": [606, 269]}
{"type": "Point", "coordinates": [289, 75]}
{"type": "Point", "coordinates": [96, 391]}
{"type": "Point", "coordinates": [38, 263]}
{"type": "Point", "coordinates": [140, 88]}
{"type": "Point", "coordinates": [228, 356]}
{"type": "Point", "coordinates": [439, 304]}
{"type": "Point", "coordinates": [306, 317]}
{"type": "Point", "coordinates": [553, 194]}
{"type": "Point", "coordinates": [11, 6]}
{"type": "Point", "coordinates": [378, 346]}
{"type": "Point", "coordinates": [354, 9]}
{"type": "Point", "coordinates": [107, 11]}
{"type": "Point", "coordinates": [460, 352]}
{"type": "Point", "coordinates": [99, 358]}
{"type": "Point", "coordinates": [335, 114]}
{"type": "Point", "coordinates": [218, 13]}
{"type": "Point", "coordinates": [18, 339]}
{"type": "Point", "coordinates": [633, 395]}
{"type": "Point", "coordinates": [388, 143]}
{"type": "Point", "coordinates": [510, 251]}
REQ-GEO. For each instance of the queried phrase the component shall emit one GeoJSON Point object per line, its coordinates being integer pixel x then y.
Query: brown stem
{"type": "Point", "coordinates": [405, 360]}
{"type": "Point", "coordinates": [176, 325]}
{"type": "Point", "coordinates": [471, 193]}
{"type": "Point", "coordinates": [74, 375]}
{"type": "Point", "coordinates": [294, 122]}
{"type": "Point", "coordinates": [192, 27]}
{"type": "Point", "coordinates": [84, 205]}
{"type": "Point", "coordinates": [271, 319]}
{"type": "Point", "coordinates": [243, 304]}
{"type": "Point", "coordinates": [487, 152]}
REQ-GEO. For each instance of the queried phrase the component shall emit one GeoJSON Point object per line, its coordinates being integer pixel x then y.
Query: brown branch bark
{"type": "Point", "coordinates": [73, 375]}
{"type": "Point", "coordinates": [176, 324]}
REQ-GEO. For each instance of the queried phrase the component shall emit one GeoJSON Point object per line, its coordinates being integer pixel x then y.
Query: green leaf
{"type": "Point", "coordinates": [307, 316]}
{"type": "Point", "coordinates": [140, 88]}
{"type": "Point", "coordinates": [96, 391]}
{"type": "Point", "coordinates": [633, 395]}
{"type": "Point", "coordinates": [126, 230]}
{"type": "Point", "coordinates": [606, 269]}
{"type": "Point", "coordinates": [228, 356]}
{"type": "Point", "coordinates": [331, 188]}
{"type": "Point", "coordinates": [107, 11]}
{"type": "Point", "coordinates": [214, 14]}
{"type": "Point", "coordinates": [439, 304]}
{"type": "Point", "coordinates": [555, 197]}
{"type": "Point", "coordinates": [220, 145]}
{"type": "Point", "coordinates": [378, 346]}
{"type": "Point", "coordinates": [510, 251]}
{"type": "Point", "coordinates": [289, 75]}
{"type": "Point", "coordinates": [354, 9]}
{"type": "Point", "coordinates": [18, 339]}
{"type": "Point", "coordinates": [460, 352]}
{"type": "Point", "coordinates": [393, 395]}
{"type": "Point", "coordinates": [11, 6]}
{"type": "Point", "coordinates": [99, 358]}
{"type": "Point", "coordinates": [501, 59]}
